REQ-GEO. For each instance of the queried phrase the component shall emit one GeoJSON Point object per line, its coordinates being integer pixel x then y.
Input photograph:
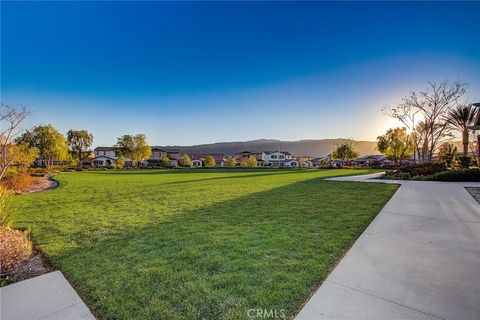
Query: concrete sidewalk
{"type": "Point", "coordinates": [418, 259]}
{"type": "Point", "coordinates": [47, 297]}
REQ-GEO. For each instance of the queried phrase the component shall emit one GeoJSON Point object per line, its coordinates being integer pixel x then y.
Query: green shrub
{"type": "Point", "coordinates": [424, 169]}
{"type": "Point", "coordinates": [464, 161]}
{"type": "Point", "coordinates": [120, 163]}
{"type": "Point", "coordinates": [415, 171]}
{"type": "Point", "coordinates": [419, 178]}
{"type": "Point", "coordinates": [465, 175]}
{"type": "Point", "coordinates": [397, 175]}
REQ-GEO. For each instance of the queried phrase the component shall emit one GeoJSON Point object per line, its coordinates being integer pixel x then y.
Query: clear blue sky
{"type": "Point", "coordinates": [188, 73]}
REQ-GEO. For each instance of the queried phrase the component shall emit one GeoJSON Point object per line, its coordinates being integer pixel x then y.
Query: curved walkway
{"type": "Point", "coordinates": [418, 259]}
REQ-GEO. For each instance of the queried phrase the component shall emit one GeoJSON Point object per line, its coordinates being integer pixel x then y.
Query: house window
{"type": "Point", "coordinates": [281, 156]}
{"type": "Point", "coordinates": [273, 156]}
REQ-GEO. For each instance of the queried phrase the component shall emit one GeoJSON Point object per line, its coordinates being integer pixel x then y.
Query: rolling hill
{"type": "Point", "coordinates": [315, 148]}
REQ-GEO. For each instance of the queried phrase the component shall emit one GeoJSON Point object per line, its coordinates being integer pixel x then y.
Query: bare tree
{"type": "Point", "coordinates": [344, 141]}
{"type": "Point", "coordinates": [10, 119]}
{"type": "Point", "coordinates": [429, 108]}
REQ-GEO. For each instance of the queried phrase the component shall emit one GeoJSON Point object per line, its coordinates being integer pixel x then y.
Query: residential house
{"type": "Point", "coordinates": [104, 156]}
{"type": "Point", "coordinates": [302, 159]}
{"type": "Point", "coordinates": [158, 153]}
{"type": "Point", "coordinates": [315, 162]}
{"type": "Point", "coordinates": [43, 163]}
{"type": "Point", "coordinates": [269, 158]}
{"type": "Point", "coordinates": [326, 161]}
{"type": "Point", "coordinates": [375, 160]}
{"type": "Point", "coordinates": [198, 160]}
{"type": "Point", "coordinates": [244, 155]}
{"type": "Point", "coordinates": [279, 159]}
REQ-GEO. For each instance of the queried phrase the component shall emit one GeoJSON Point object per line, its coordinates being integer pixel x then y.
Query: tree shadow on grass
{"type": "Point", "coordinates": [266, 250]}
{"type": "Point", "coordinates": [194, 170]}
{"type": "Point", "coordinates": [336, 172]}
{"type": "Point", "coordinates": [244, 176]}
{"type": "Point", "coordinates": [247, 173]}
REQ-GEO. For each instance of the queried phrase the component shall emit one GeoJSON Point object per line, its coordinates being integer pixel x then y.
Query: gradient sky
{"type": "Point", "coordinates": [189, 73]}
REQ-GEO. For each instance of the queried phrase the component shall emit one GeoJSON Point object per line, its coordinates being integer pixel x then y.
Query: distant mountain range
{"type": "Point", "coordinates": [314, 148]}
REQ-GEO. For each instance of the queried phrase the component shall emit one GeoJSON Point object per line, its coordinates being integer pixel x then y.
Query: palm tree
{"type": "Point", "coordinates": [460, 119]}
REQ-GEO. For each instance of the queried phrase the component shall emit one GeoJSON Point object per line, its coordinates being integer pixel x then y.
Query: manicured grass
{"type": "Point", "coordinates": [206, 244]}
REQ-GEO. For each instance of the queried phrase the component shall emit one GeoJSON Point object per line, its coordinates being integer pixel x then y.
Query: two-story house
{"type": "Point", "coordinates": [158, 153]}
{"type": "Point", "coordinates": [104, 156]}
{"type": "Point", "coordinates": [280, 159]}
{"type": "Point", "coordinates": [198, 160]}
{"type": "Point", "coordinates": [244, 155]}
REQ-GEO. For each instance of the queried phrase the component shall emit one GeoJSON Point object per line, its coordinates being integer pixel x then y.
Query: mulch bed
{"type": "Point", "coordinates": [40, 184]}
{"type": "Point", "coordinates": [35, 265]}
{"type": "Point", "coordinates": [475, 192]}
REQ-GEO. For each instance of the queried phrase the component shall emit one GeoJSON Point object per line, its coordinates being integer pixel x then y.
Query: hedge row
{"type": "Point", "coordinates": [464, 175]}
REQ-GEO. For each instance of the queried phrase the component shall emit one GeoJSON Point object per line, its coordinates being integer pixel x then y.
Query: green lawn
{"type": "Point", "coordinates": [205, 244]}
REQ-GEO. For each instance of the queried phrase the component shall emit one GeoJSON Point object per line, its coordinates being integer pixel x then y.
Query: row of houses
{"type": "Point", "coordinates": [105, 156]}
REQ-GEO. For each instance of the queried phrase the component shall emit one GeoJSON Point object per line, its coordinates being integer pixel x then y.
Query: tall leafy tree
{"type": "Point", "coordinates": [50, 143]}
{"type": "Point", "coordinates": [231, 162]}
{"type": "Point", "coordinates": [460, 119]}
{"type": "Point", "coordinates": [186, 161]}
{"type": "Point", "coordinates": [165, 162]}
{"type": "Point", "coordinates": [23, 155]}
{"type": "Point", "coordinates": [251, 162]}
{"type": "Point", "coordinates": [120, 163]}
{"type": "Point", "coordinates": [396, 144]}
{"type": "Point", "coordinates": [124, 147]}
{"type": "Point", "coordinates": [133, 147]}
{"type": "Point", "coordinates": [79, 143]}
{"type": "Point", "coordinates": [345, 150]}
{"type": "Point", "coordinates": [210, 161]}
